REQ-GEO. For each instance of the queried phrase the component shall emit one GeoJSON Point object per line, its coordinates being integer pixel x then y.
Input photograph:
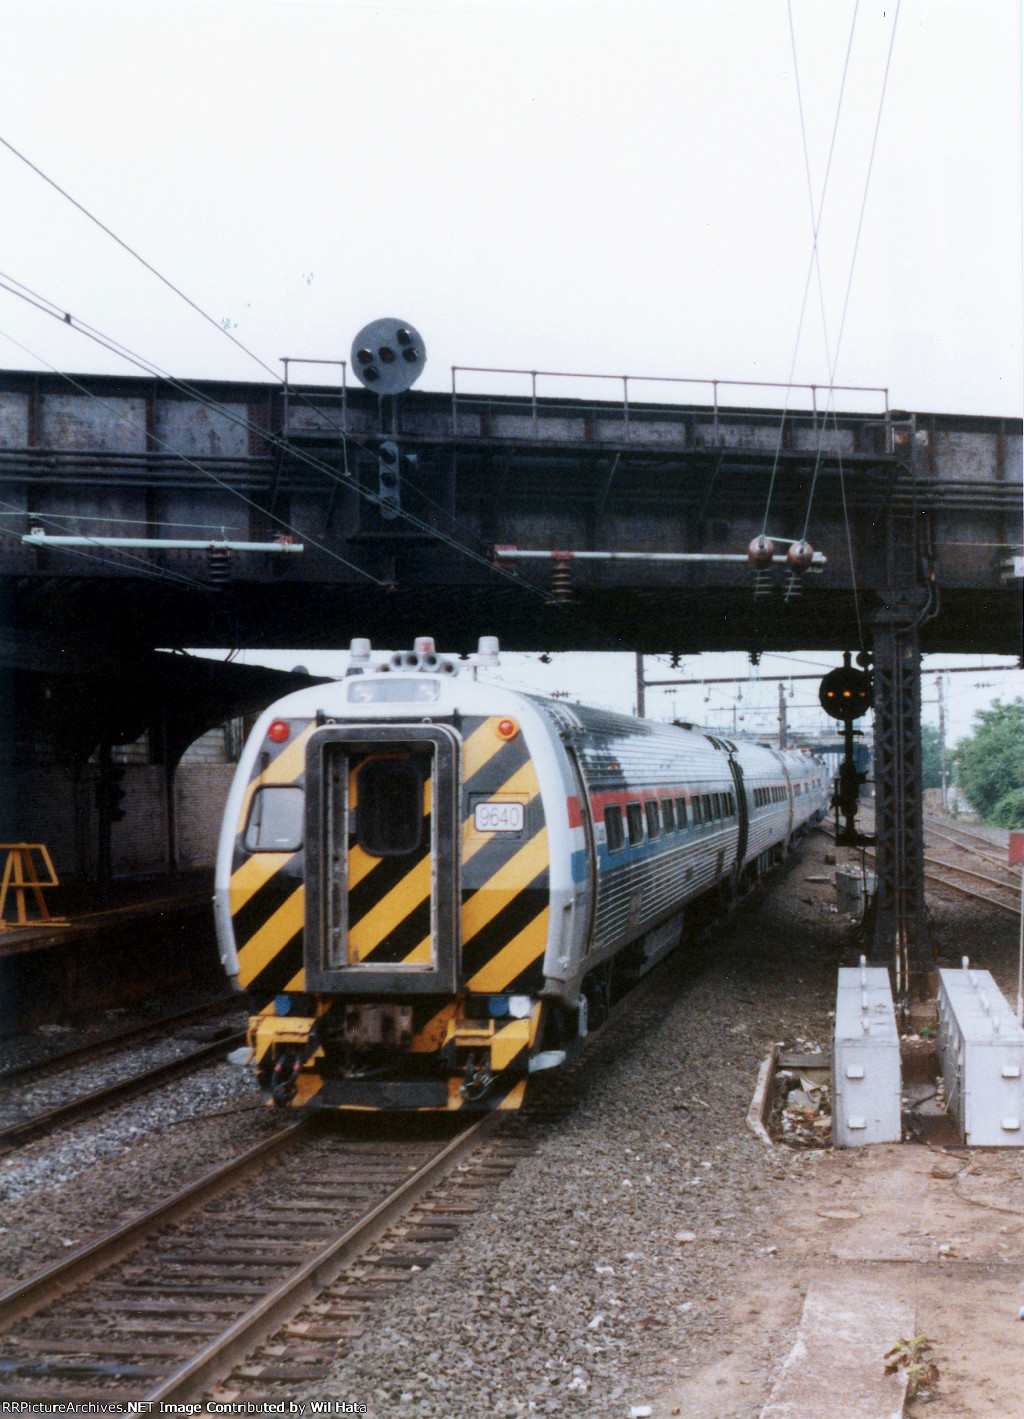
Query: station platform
{"type": "Point", "coordinates": [148, 934]}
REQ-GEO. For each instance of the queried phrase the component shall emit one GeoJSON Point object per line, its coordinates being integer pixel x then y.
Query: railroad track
{"type": "Point", "coordinates": [964, 838]}
{"type": "Point", "coordinates": [17, 1134]}
{"type": "Point", "coordinates": [257, 1276]}
{"type": "Point", "coordinates": [951, 875]}
{"type": "Point", "coordinates": [166, 1305]}
{"type": "Point", "coordinates": [119, 1039]}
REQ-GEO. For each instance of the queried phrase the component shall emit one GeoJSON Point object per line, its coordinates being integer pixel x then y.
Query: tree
{"type": "Point", "coordinates": [990, 763]}
{"type": "Point", "coordinates": [931, 757]}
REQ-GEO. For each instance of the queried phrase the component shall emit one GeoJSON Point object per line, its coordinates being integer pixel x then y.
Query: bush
{"type": "Point", "coordinates": [990, 763]}
{"type": "Point", "coordinates": [1009, 811]}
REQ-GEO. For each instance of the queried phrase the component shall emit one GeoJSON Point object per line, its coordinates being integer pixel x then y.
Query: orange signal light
{"type": "Point", "coordinates": [507, 729]}
{"type": "Point", "coordinates": [279, 731]}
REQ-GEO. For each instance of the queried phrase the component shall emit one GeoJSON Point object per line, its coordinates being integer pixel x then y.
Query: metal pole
{"type": "Point", "coordinates": [940, 688]}
{"type": "Point", "coordinates": [1020, 961]}
{"type": "Point", "coordinates": [783, 741]}
{"type": "Point", "coordinates": [104, 857]}
{"type": "Point", "coordinates": [640, 702]}
{"type": "Point", "coordinates": [38, 538]}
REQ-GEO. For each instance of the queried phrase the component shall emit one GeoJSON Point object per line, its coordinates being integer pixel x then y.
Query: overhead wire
{"type": "Point", "coordinates": [133, 253]}
{"type": "Point", "coordinates": [216, 324]}
{"type": "Point", "coordinates": [155, 573]}
{"type": "Point", "coordinates": [856, 248]}
{"type": "Point", "coordinates": [123, 521]}
{"type": "Point", "coordinates": [47, 307]}
{"type": "Point", "coordinates": [509, 574]}
{"type": "Point", "coordinates": [815, 265]}
{"type": "Point", "coordinates": [206, 473]}
{"type": "Point", "coordinates": [816, 218]}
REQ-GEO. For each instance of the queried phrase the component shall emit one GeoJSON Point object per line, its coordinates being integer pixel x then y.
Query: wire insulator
{"type": "Point", "coordinates": [561, 580]}
{"type": "Point", "coordinates": [218, 566]}
{"type": "Point", "coordinates": [764, 582]}
{"type": "Point", "coordinates": [794, 585]}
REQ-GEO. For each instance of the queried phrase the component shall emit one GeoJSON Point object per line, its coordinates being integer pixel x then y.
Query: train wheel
{"type": "Point", "coordinates": [597, 989]}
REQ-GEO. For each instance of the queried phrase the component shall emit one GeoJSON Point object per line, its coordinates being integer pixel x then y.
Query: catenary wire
{"type": "Point", "coordinates": [508, 573]}
{"type": "Point", "coordinates": [816, 218]}
{"type": "Point", "coordinates": [133, 253]}
{"type": "Point", "coordinates": [123, 521]}
{"type": "Point", "coordinates": [856, 248]}
{"type": "Point", "coordinates": [115, 347]}
{"type": "Point", "coordinates": [147, 568]}
{"type": "Point", "coordinates": [66, 318]}
{"type": "Point", "coordinates": [192, 464]}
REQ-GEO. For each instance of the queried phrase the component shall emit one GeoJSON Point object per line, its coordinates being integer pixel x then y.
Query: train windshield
{"type": "Point", "coordinates": [389, 691]}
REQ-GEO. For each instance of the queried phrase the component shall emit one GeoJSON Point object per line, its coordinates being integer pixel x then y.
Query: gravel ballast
{"type": "Point", "coordinates": [614, 1262]}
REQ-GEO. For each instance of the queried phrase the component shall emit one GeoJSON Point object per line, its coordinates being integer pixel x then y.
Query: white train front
{"type": "Point", "coordinates": [432, 886]}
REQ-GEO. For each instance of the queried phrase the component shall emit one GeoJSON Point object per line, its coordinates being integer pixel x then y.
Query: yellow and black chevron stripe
{"type": "Point", "coordinates": [267, 888]}
{"type": "Point", "coordinates": [504, 915]}
{"type": "Point", "coordinates": [505, 880]}
{"type": "Point", "coordinates": [389, 898]}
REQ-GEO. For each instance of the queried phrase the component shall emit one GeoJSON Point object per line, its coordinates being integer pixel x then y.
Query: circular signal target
{"type": "Point", "coordinates": [388, 355]}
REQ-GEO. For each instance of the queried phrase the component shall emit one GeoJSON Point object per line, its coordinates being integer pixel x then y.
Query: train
{"type": "Point", "coordinates": [433, 886]}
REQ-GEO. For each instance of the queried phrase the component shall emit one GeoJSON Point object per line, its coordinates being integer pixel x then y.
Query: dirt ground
{"type": "Point", "coordinates": [944, 1230]}
{"type": "Point", "coordinates": [940, 1227]}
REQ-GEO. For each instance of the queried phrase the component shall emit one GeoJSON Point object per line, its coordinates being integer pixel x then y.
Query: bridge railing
{"type": "Point", "coordinates": [626, 408]}
{"type": "Point", "coordinates": [808, 404]}
{"type": "Point", "coordinates": [329, 406]}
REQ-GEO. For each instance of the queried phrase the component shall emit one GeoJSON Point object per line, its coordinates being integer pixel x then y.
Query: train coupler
{"type": "Point", "coordinates": [478, 1081]}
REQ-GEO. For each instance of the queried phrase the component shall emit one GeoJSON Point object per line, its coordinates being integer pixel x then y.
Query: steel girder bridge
{"type": "Point", "coordinates": [554, 522]}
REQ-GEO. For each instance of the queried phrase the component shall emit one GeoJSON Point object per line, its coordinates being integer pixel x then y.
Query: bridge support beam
{"type": "Point", "coordinates": [901, 927]}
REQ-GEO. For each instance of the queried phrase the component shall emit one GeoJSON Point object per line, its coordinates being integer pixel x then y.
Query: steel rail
{"type": "Point", "coordinates": [952, 886]}
{"type": "Point", "coordinates": [28, 1296]}
{"type": "Point", "coordinates": [276, 1308]}
{"type": "Point", "coordinates": [15, 1135]}
{"type": "Point", "coordinates": [969, 892]}
{"type": "Point", "coordinates": [970, 872]}
{"type": "Point", "coordinates": [984, 847]}
{"type": "Point", "coordinates": [95, 1048]}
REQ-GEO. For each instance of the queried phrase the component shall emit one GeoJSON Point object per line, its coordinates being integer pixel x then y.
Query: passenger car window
{"type": "Point", "coordinates": [635, 823]}
{"type": "Point", "coordinates": [653, 819]}
{"type": "Point", "coordinates": [680, 813]}
{"type": "Point", "coordinates": [614, 835]}
{"type": "Point", "coordinates": [668, 815]}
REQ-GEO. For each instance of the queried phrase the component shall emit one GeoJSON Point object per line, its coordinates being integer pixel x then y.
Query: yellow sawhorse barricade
{"type": "Point", "coordinates": [21, 875]}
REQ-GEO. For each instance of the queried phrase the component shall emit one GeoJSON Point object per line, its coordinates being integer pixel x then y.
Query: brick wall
{"type": "Point", "coordinates": [45, 806]}
{"type": "Point", "coordinates": [200, 791]}
{"type": "Point", "coordinates": [48, 805]}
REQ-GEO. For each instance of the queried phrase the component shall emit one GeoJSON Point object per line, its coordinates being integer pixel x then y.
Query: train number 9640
{"type": "Point", "coordinates": [498, 817]}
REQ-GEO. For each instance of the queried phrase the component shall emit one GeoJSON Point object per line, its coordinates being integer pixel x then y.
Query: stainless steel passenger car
{"type": "Point", "coordinates": [432, 886]}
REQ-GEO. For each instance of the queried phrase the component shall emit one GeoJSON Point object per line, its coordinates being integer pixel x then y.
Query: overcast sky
{"type": "Point", "coordinates": [592, 187]}
{"type": "Point", "coordinates": [571, 186]}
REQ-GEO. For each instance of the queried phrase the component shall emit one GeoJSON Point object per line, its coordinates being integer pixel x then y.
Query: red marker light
{"type": "Point", "coordinates": [279, 731]}
{"type": "Point", "coordinates": [507, 729]}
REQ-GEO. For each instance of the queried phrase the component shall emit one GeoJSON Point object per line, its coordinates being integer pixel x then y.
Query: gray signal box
{"type": "Point", "coordinates": [866, 1080]}
{"type": "Point", "coordinates": [981, 1047]}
